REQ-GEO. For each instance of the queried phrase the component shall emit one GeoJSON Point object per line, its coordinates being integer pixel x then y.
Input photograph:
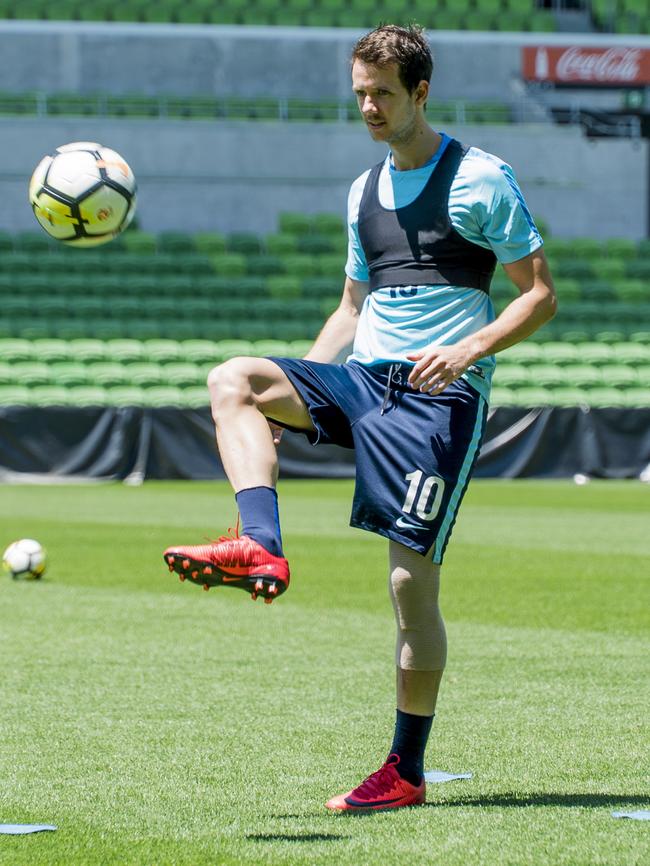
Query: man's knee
{"type": "Point", "coordinates": [229, 385]}
{"type": "Point", "coordinates": [421, 636]}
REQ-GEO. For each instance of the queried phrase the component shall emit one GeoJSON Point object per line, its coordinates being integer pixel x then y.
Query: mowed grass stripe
{"type": "Point", "coordinates": [155, 723]}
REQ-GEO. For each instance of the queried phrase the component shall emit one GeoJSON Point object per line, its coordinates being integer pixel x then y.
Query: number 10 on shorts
{"type": "Point", "coordinates": [425, 495]}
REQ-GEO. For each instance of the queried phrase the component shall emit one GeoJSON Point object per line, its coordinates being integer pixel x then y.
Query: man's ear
{"type": "Point", "coordinates": [421, 93]}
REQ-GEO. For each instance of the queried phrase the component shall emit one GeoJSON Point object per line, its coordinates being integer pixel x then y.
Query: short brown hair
{"type": "Point", "coordinates": [405, 46]}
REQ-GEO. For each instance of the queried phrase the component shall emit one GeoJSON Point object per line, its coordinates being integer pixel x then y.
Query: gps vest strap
{"type": "Point", "coordinates": [417, 244]}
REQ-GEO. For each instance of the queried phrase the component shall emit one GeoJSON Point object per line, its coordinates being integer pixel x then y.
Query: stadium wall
{"type": "Point", "coordinates": [134, 444]}
{"type": "Point", "coordinates": [198, 175]}
{"type": "Point", "coordinates": [84, 57]}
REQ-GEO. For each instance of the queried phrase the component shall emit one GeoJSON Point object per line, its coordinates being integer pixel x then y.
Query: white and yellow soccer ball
{"type": "Point", "coordinates": [83, 194]}
{"type": "Point", "coordinates": [25, 559]}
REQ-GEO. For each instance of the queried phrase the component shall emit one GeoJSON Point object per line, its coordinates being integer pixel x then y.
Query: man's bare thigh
{"type": "Point", "coordinates": [272, 391]}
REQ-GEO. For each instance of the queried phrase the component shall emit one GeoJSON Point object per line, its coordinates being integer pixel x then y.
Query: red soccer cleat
{"type": "Point", "coordinates": [384, 789]}
{"type": "Point", "coordinates": [237, 561]}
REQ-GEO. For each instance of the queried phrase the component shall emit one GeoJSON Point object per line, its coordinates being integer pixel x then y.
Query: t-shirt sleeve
{"type": "Point", "coordinates": [487, 208]}
{"type": "Point", "coordinates": [356, 266]}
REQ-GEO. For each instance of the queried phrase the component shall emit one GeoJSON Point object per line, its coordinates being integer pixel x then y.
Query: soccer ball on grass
{"type": "Point", "coordinates": [83, 194]}
{"type": "Point", "coordinates": [24, 559]}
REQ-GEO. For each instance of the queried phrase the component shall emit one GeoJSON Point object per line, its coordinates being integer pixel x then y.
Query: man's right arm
{"type": "Point", "coordinates": [334, 342]}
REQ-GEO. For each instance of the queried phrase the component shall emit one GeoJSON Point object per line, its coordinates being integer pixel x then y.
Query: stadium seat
{"type": "Point", "coordinates": [569, 396]}
{"type": "Point", "coordinates": [30, 373]}
{"type": "Point", "coordinates": [16, 350]}
{"type": "Point", "coordinates": [607, 397]}
{"type": "Point", "coordinates": [162, 350]}
{"type": "Point", "coordinates": [533, 397]}
{"type": "Point", "coordinates": [183, 374]}
{"type": "Point", "coordinates": [107, 374]}
{"type": "Point", "coordinates": [162, 395]}
{"type": "Point", "coordinates": [87, 395]}
{"type": "Point", "coordinates": [125, 395]}
{"type": "Point", "coordinates": [49, 395]}
{"type": "Point", "coordinates": [14, 395]}
{"type": "Point", "coordinates": [67, 373]}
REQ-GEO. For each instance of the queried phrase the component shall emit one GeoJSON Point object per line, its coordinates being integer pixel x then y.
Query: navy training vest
{"type": "Point", "coordinates": [417, 244]}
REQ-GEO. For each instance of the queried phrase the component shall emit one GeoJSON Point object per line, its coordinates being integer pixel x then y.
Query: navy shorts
{"type": "Point", "coordinates": [414, 452]}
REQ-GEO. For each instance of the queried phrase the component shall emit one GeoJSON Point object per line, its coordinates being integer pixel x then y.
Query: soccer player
{"type": "Point", "coordinates": [426, 228]}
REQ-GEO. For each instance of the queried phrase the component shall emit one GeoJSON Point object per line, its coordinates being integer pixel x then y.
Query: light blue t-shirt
{"type": "Point", "coordinates": [487, 208]}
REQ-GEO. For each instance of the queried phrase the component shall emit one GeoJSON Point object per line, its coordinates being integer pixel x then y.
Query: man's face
{"type": "Point", "coordinates": [389, 110]}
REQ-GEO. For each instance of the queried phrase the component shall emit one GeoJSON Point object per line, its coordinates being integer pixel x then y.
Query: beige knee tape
{"type": "Point", "coordinates": [421, 636]}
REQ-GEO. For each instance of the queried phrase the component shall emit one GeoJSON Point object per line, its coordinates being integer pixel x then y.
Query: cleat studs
{"type": "Point", "coordinates": [273, 589]}
{"type": "Point", "coordinates": [268, 601]}
{"type": "Point", "coordinates": [170, 567]}
{"type": "Point", "coordinates": [253, 596]}
{"type": "Point", "coordinates": [181, 577]}
{"type": "Point", "coordinates": [259, 585]}
{"type": "Point", "coordinates": [207, 570]}
{"type": "Point", "coordinates": [186, 563]}
{"type": "Point", "coordinates": [206, 587]}
{"type": "Point", "coordinates": [195, 574]}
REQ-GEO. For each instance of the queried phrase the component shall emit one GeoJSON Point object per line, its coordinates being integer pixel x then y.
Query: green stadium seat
{"type": "Point", "coordinates": [229, 264]}
{"type": "Point", "coordinates": [607, 397]}
{"type": "Point", "coordinates": [144, 374]}
{"type": "Point", "coordinates": [162, 350]}
{"type": "Point", "coordinates": [585, 376]}
{"type": "Point", "coordinates": [234, 348]}
{"type": "Point", "coordinates": [299, 348]}
{"type": "Point", "coordinates": [195, 397]}
{"type": "Point", "coordinates": [285, 286]}
{"type": "Point", "coordinates": [107, 374]}
{"type": "Point", "coordinates": [295, 223]}
{"type": "Point", "coordinates": [620, 376]}
{"type": "Point", "coordinates": [125, 395]}
{"type": "Point", "coordinates": [513, 375]}
{"type": "Point", "coordinates": [30, 373]}
{"type": "Point", "coordinates": [637, 397]}
{"type": "Point", "coordinates": [532, 397]}
{"type": "Point", "coordinates": [14, 395]}
{"type": "Point", "coordinates": [636, 354]}
{"type": "Point", "coordinates": [163, 395]}
{"type": "Point", "coordinates": [569, 396]}
{"type": "Point", "coordinates": [7, 376]}
{"type": "Point", "coordinates": [550, 376]}
{"type": "Point", "coordinates": [49, 395]}
{"type": "Point", "coordinates": [87, 350]}
{"type": "Point", "coordinates": [87, 395]}
{"type": "Point", "coordinates": [141, 243]}
{"type": "Point", "coordinates": [560, 353]}
{"type": "Point", "coordinates": [183, 374]}
{"type": "Point", "coordinates": [16, 350]}
{"type": "Point", "coordinates": [49, 350]}
{"type": "Point", "coordinates": [67, 373]}
{"type": "Point", "coordinates": [500, 396]}
{"type": "Point", "coordinates": [210, 243]}
{"type": "Point", "coordinates": [279, 348]}
{"type": "Point", "coordinates": [596, 354]}
{"type": "Point", "coordinates": [245, 243]}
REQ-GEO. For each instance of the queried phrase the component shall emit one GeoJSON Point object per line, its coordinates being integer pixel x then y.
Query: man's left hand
{"type": "Point", "coordinates": [437, 367]}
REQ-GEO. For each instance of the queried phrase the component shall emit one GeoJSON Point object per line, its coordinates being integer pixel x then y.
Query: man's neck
{"type": "Point", "coordinates": [418, 151]}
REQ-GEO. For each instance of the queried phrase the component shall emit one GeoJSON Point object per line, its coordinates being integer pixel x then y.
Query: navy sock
{"type": "Point", "coordinates": [258, 508]}
{"type": "Point", "coordinates": [409, 742]}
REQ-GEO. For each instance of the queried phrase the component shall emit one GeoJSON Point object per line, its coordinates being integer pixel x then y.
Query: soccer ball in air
{"type": "Point", "coordinates": [83, 194]}
{"type": "Point", "coordinates": [24, 559]}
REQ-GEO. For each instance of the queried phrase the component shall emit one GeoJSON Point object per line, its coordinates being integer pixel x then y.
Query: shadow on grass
{"type": "Point", "coordinates": [588, 801]}
{"type": "Point", "coordinates": [295, 837]}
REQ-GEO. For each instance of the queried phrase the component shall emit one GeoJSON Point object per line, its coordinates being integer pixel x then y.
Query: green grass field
{"type": "Point", "coordinates": [158, 724]}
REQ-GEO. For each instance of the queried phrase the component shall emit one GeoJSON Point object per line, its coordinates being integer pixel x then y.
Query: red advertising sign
{"type": "Point", "coordinates": [584, 66]}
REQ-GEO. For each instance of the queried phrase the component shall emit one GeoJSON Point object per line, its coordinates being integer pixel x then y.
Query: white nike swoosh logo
{"type": "Point", "coordinates": [404, 524]}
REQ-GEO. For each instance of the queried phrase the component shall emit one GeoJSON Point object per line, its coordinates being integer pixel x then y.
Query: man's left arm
{"type": "Point", "coordinates": [438, 366]}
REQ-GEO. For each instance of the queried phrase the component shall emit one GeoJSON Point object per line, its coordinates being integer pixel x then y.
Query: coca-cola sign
{"type": "Point", "coordinates": [585, 65]}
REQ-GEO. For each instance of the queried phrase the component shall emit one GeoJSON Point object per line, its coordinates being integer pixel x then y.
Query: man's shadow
{"type": "Point", "coordinates": [508, 800]}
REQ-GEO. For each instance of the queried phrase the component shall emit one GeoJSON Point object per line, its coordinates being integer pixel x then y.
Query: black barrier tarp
{"type": "Point", "coordinates": [165, 443]}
